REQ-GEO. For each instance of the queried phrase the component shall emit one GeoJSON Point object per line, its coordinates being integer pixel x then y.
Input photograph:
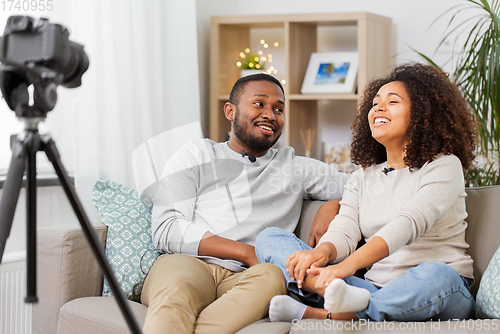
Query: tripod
{"type": "Point", "coordinates": [14, 82]}
{"type": "Point", "coordinates": [24, 148]}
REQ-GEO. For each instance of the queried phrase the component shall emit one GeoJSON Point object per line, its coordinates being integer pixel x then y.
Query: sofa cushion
{"type": "Point", "coordinates": [129, 246]}
{"type": "Point", "coordinates": [483, 226]}
{"type": "Point", "coordinates": [66, 269]}
{"type": "Point", "coordinates": [266, 326]}
{"type": "Point", "coordinates": [97, 315]}
{"type": "Point", "coordinates": [488, 295]}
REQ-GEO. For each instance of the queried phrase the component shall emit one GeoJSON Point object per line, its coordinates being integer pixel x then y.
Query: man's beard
{"type": "Point", "coordinates": [254, 143]}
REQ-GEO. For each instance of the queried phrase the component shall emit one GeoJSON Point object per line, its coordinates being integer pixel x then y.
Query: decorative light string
{"type": "Point", "coordinates": [257, 61]}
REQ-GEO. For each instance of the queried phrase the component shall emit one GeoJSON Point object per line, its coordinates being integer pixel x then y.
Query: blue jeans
{"type": "Point", "coordinates": [431, 290]}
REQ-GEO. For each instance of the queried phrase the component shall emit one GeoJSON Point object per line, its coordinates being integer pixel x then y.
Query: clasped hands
{"type": "Point", "coordinates": [313, 262]}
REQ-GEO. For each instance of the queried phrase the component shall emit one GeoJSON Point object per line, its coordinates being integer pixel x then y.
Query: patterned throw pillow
{"type": "Point", "coordinates": [488, 295]}
{"type": "Point", "coordinates": [129, 246]}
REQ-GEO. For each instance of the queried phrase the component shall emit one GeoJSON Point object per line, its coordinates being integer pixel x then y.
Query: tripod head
{"type": "Point", "coordinates": [39, 54]}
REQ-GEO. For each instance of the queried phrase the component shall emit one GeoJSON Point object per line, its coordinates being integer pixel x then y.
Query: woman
{"type": "Point", "coordinates": [413, 137]}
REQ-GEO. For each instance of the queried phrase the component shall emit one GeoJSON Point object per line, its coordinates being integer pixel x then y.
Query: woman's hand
{"type": "Point", "coordinates": [298, 263]}
{"type": "Point", "coordinates": [328, 274]}
{"type": "Point", "coordinates": [373, 251]}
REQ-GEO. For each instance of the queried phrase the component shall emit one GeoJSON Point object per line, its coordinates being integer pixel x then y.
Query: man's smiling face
{"type": "Point", "coordinates": [258, 117]}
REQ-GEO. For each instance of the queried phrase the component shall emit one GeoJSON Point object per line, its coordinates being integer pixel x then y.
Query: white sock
{"type": "Point", "coordinates": [285, 308]}
{"type": "Point", "coordinates": [341, 297]}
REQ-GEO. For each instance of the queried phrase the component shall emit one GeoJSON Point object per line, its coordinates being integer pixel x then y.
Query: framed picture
{"type": "Point", "coordinates": [331, 72]}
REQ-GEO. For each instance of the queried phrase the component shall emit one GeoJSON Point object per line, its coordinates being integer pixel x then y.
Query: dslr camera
{"type": "Point", "coordinates": [38, 53]}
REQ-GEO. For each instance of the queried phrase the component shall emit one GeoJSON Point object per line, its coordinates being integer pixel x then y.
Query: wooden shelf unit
{"type": "Point", "coordinates": [231, 34]}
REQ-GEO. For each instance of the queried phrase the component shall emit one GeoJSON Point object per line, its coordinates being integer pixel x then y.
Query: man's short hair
{"type": "Point", "coordinates": [240, 84]}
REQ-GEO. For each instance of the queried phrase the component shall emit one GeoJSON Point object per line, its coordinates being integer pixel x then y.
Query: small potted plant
{"type": "Point", "coordinates": [255, 62]}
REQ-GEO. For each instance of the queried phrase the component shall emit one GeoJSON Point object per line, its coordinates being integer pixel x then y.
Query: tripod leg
{"type": "Point", "coordinates": [50, 149]}
{"type": "Point", "coordinates": [11, 190]}
{"type": "Point", "coordinates": [32, 145]}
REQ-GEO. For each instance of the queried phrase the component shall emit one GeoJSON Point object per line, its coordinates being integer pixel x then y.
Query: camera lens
{"type": "Point", "coordinates": [78, 63]}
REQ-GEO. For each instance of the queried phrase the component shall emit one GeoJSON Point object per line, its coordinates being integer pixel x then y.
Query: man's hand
{"type": "Point", "coordinates": [213, 245]}
{"type": "Point", "coordinates": [322, 220]}
{"type": "Point", "coordinates": [251, 257]}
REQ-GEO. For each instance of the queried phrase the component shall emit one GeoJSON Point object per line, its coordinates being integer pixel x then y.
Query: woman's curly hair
{"type": "Point", "coordinates": [441, 120]}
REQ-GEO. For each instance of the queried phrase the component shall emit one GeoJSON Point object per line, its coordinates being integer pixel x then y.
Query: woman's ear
{"type": "Point", "coordinates": [229, 110]}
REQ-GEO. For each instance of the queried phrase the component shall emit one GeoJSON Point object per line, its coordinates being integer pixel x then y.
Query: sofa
{"type": "Point", "coordinates": [70, 282]}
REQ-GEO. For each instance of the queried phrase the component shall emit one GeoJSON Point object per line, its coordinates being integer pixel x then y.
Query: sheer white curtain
{"type": "Point", "coordinates": [143, 80]}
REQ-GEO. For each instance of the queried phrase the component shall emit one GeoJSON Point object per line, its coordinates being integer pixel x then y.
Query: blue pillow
{"type": "Point", "coordinates": [488, 294]}
{"type": "Point", "coordinates": [129, 247]}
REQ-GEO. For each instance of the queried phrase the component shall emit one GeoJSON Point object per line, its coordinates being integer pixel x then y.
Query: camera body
{"type": "Point", "coordinates": [40, 42]}
{"type": "Point", "coordinates": [39, 54]}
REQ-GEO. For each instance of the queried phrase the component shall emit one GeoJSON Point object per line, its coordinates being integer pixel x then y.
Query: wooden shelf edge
{"type": "Point", "coordinates": [312, 97]}
{"type": "Point", "coordinates": [272, 20]}
{"type": "Point", "coordinates": [316, 97]}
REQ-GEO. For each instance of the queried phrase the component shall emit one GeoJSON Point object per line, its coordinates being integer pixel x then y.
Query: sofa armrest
{"type": "Point", "coordinates": [66, 270]}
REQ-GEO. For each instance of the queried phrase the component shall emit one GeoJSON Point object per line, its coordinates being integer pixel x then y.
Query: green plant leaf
{"type": "Point", "coordinates": [476, 69]}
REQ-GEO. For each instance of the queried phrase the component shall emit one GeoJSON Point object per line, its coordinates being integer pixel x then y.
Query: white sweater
{"type": "Point", "coordinates": [207, 187]}
{"type": "Point", "coordinates": [419, 214]}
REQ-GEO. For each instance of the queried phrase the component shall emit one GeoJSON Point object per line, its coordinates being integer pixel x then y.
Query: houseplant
{"type": "Point", "coordinates": [250, 62]}
{"type": "Point", "coordinates": [476, 69]}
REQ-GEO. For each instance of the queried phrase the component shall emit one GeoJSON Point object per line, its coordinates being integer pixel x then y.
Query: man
{"type": "Point", "coordinates": [215, 198]}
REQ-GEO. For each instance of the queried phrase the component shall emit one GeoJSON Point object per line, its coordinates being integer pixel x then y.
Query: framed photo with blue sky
{"type": "Point", "coordinates": [331, 72]}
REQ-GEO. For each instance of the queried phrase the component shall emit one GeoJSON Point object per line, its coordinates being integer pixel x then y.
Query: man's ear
{"type": "Point", "coordinates": [229, 110]}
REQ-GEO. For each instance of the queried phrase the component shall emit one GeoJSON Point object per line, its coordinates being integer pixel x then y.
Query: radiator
{"type": "Point", "coordinates": [15, 315]}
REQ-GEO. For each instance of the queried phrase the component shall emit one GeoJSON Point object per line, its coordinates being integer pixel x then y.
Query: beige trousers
{"type": "Point", "coordinates": [186, 295]}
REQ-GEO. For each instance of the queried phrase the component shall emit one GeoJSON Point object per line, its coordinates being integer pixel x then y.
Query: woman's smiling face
{"type": "Point", "coordinates": [389, 117]}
